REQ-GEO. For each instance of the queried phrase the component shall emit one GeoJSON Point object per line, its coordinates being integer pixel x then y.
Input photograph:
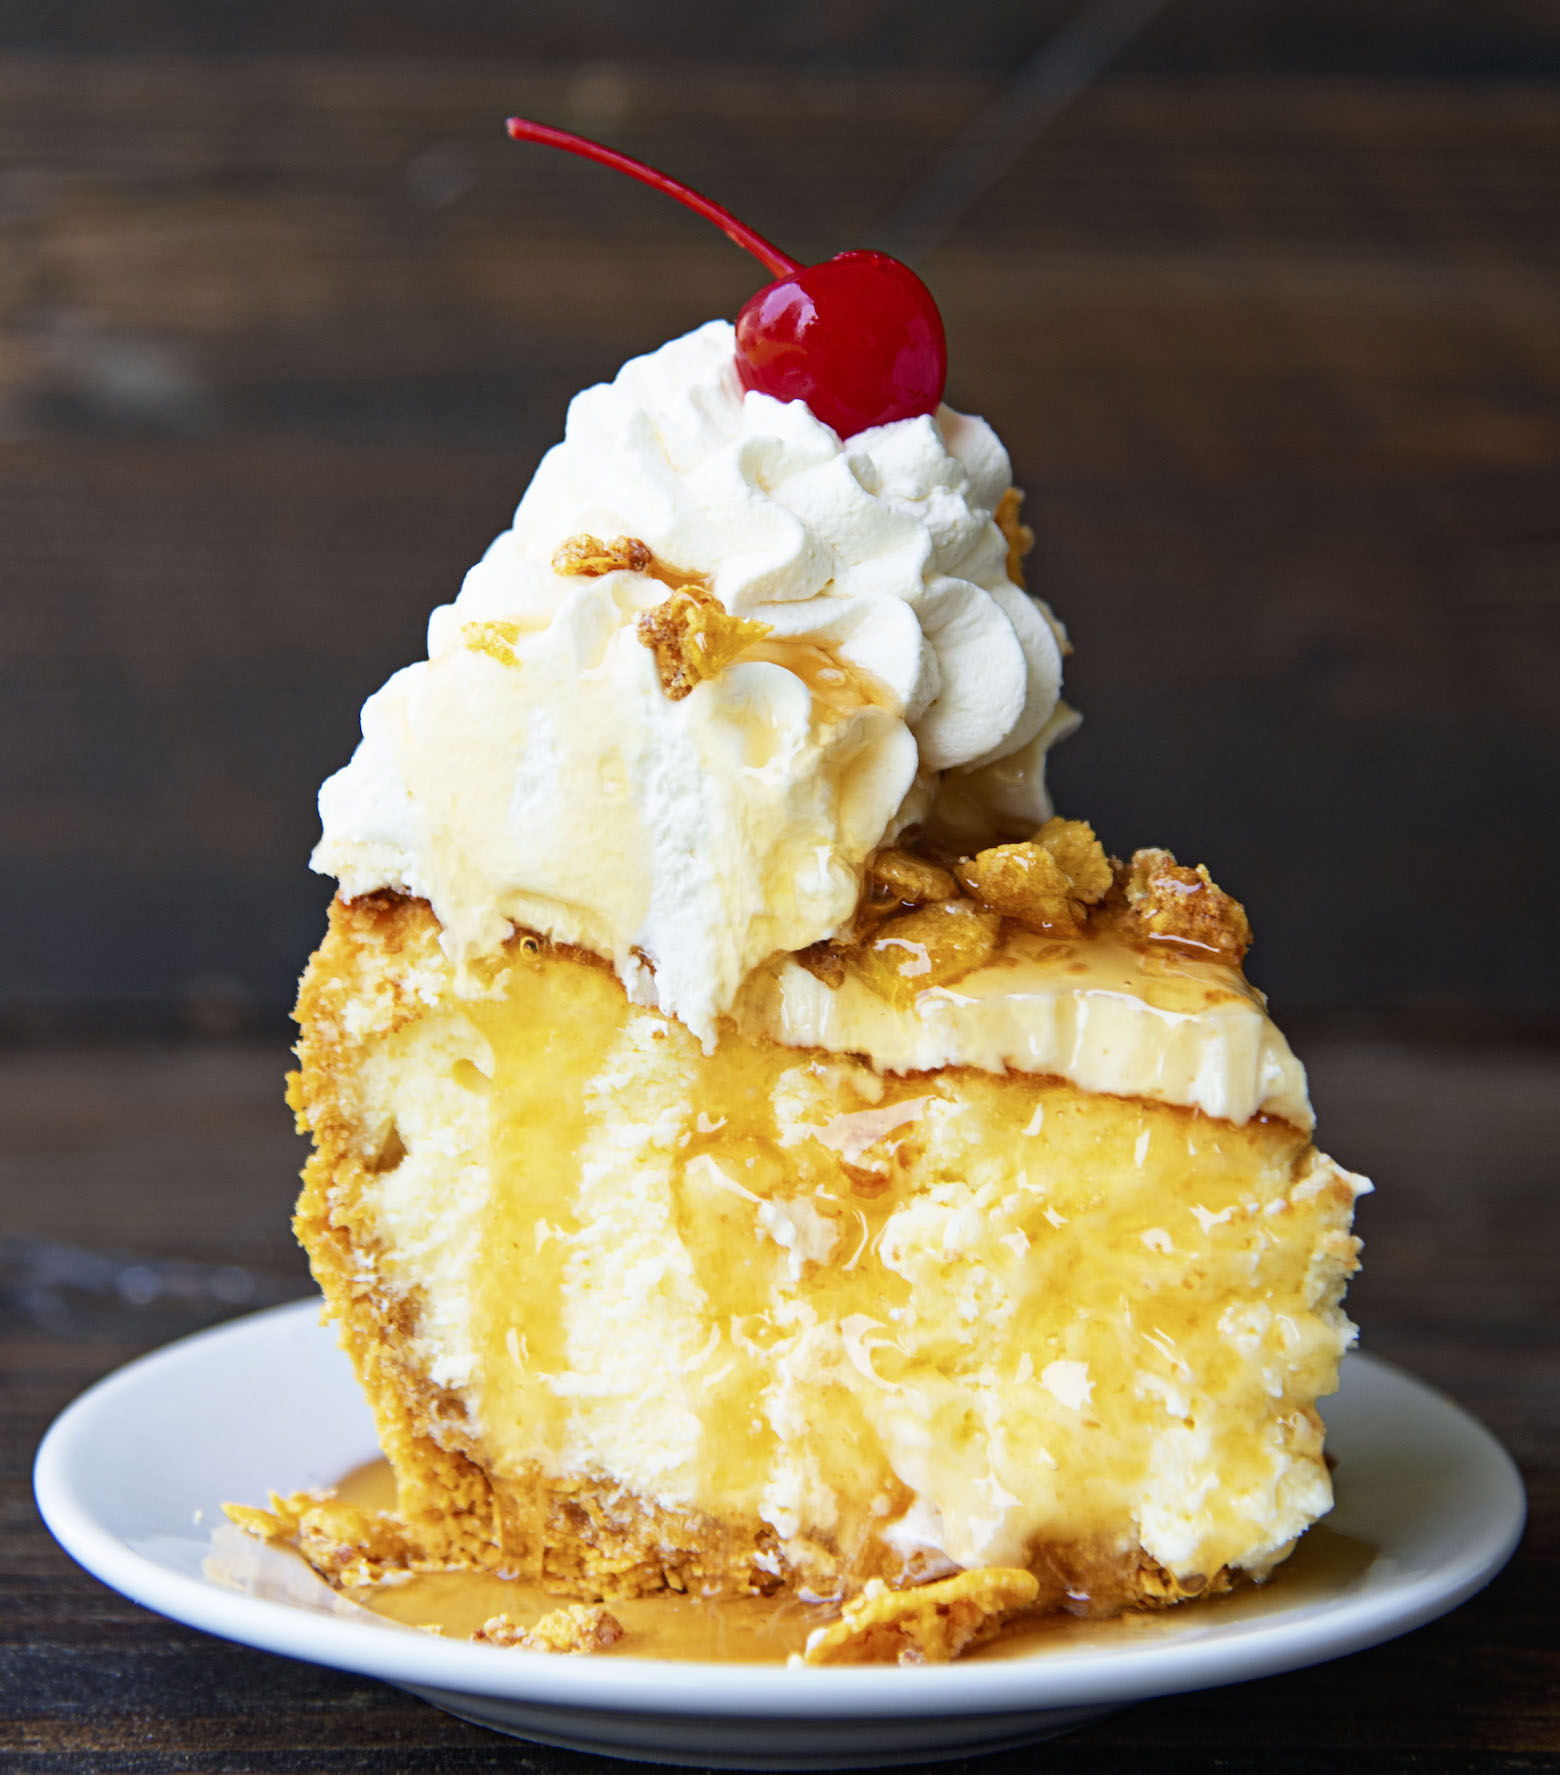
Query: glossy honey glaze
{"type": "Point", "coordinates": [838, 686]}
{"type": "Point", "coordinates": [764, 1630]}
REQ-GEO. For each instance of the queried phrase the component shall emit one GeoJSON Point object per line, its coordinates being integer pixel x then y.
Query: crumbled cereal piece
{"type": "Point", "coordinates": [496, 639]}
{"type": "Point", "coordinates": [825, 962]}
{"type": "Point", "coordinates": [693, 637]}
{"type": "Point", "coordinates": [1046, 883]}
{"type": "Point", "coordinates": [579, 1627]}
{"type": "Point", "coordinates": [901, 875]}
{"type": "Point", "coordinates": [931, 946]}
{"type": "Point", "coordinates": [1158, 1588]}
{"type": "Point", "coordinates": [590, 556]}
{"type": "Point", "coordinates": [1020, 538]}
{"type": "Point", "coordinates": [264, 1525]}
{"type": "Point", "coordinates": [1163, 899]}
{"type": "Point", "coordinates": [348, 1546]}
{"type": "Point", "coordinates": [1081, 855]}
{"type": "Point", "coordinates": [1024, 882]}
{"type": "Point", "coordinates": [928, 1625]}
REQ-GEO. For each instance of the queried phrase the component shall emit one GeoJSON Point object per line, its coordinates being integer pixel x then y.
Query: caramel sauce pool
{"type": "Point", "coordinates": [760, 1630]}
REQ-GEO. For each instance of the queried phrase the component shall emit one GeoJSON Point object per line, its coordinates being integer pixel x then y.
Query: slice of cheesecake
{"type": "Point", "coordinates": [759, 1150]}
{"type": "Point", "coordinates": [989, 1235]}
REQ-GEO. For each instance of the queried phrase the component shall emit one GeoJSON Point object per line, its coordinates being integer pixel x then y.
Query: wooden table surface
{"type": "Point", "coordinates": [185, 1154]}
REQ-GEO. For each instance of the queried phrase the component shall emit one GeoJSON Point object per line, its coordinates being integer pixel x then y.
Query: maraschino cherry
{"type": "Point", "coordinates": [857, 337]}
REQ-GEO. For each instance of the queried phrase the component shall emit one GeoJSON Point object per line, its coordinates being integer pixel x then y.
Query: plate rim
{"type": "Point", "coordinates": [626, 1684]}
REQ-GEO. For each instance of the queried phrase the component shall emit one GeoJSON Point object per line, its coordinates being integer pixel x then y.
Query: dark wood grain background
{"type": "Point", "coordinates": [1270, 318]}
{"type": "Point", "coordinates": [285, 323]}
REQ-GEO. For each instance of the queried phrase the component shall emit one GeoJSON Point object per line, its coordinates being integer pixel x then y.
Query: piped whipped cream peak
{"type": "Point", "coordinates": [535, 771]}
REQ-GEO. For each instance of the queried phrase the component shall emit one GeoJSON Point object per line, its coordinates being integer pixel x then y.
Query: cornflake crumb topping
{"type": "Point", "coordinates": [496, 639]}
{"type": "Point", "coordinates": [1047, 883]}
{"type": "Point", "coordinates": [901, 875]}
{"type": "Point", "coordinates": [590, 556]}
{"type": "Point", "coordinates": [579, 1627]}
{"type": "Point", "coordinates": [920, 923]}
{"type": "Point", "coordinates": [932, 946]}
{"type": "Point", "coordinates": [346, 1545]}
{"type": "Point", "coordinates": [1020, 538]}
{"type": "Point", "coordinates": [1163, 899]}
{"type": "Point", "coordinates": [694, 637]}
{"type": "Point", "coordinates": [931, 1624]}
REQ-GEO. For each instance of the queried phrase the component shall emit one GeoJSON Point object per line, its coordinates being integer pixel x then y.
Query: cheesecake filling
{"type": "Point", "coordinates": [909, 1323]}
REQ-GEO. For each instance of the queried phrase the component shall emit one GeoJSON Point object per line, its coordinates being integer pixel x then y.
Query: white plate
{"type": "Point", "coordinates": [131, 1479]}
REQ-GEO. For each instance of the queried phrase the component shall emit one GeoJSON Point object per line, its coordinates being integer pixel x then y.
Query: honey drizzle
{"type": "Point", "coordinates": [838, 687]}
{"type": "Point", "coordinates": [766, 1630]}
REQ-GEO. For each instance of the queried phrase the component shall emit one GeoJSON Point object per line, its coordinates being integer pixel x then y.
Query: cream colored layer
{"type": "Point", "coordinates": [1105, 1014]}
{"type": "Point", "coordinates": [899, 1319]}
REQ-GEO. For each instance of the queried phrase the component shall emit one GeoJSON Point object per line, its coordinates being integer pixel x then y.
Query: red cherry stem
{"type": "Point", "coordinates": [768, 255]}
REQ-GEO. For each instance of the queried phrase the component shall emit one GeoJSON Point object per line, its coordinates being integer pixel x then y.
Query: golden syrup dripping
{"type": "Point", "coordinates": [370, 1487]}
{"type": "Point", "coordinates": [548, 1041]}
{"type": "Point", "coordinates": [766, 1630]}
{"type": "Point", "coordinates": [1101, 959]}
{"type": "Point", "coordinates": [836, 686]}
{"type": "Point", "coordinates": [1325, 1563]}
{"type": "Point", "coordinates": [675, 579]}
{"type": "Point", "coordinates": [728, 1630]}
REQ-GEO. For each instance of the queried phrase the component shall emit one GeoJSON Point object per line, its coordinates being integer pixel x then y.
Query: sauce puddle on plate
{"type": "Point", "coordinates": [763, 1630]}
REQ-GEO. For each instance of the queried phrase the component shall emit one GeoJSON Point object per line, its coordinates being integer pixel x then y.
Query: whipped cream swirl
{"type": "Point", "coordinates": [534, 771]}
